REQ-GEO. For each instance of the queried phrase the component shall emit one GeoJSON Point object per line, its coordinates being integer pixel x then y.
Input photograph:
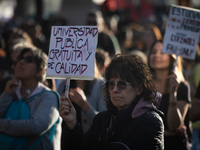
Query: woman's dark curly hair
{"type": "Point", "coordinates": [134, 70]}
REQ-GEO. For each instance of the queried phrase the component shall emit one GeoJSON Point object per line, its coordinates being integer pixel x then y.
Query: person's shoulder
{"type": "Point", "coordinates": [151, 120]}
{"type": "Point", "coordinates": [184, 85]}
{"type": "Point", "coordinates": [48, 93]}
{"type": "Point", "coordinates": [98, 82]}
{"type": "Point", "coordinates": [100, 116]}
{"type": "Point", "coordinates": [153, 116]}
{"type": "Point", "coordinates": [51, 97]}
{"type": "Point", "coordinates": [100, 79]}
{"type": "Point", "coordinates": [46, 89]}
{"type": "Point", "coordinates": [51, 93]}
{"type": "Point", "coordinates": [183, 92]}
{"type": "Point", "coordinates": [154, 120]}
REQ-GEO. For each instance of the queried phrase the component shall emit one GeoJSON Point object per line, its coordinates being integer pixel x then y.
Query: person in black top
{"type": "Point", "coordinates": [131, 119]}
{"type": "Point", "coordinates": [194, 113]}
{"type": "Point", "coordinates": [176, 98]}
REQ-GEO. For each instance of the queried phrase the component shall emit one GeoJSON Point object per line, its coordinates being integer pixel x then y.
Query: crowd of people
{"type": "Point", "coordinates": [138, 99]}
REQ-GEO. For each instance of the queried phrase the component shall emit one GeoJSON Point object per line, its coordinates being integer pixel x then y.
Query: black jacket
{"type": "Point", "coordinates": [140, 133]}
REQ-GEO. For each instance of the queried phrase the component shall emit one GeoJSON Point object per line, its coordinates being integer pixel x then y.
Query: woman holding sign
{"type": "Point", "coordinates": [86, 97]}
{"type": "Point", "coordinates": [175, 96]}
{"type": "Point", "coordinates": [131, 120]}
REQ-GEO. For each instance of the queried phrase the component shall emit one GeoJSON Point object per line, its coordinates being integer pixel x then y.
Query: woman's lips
{"type": "Point", "coordinates": [117, 98]}
{"type": "Point", "coordinates": [156, 61]}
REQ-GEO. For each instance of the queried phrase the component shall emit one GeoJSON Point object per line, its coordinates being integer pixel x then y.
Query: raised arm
{"type": "Point", "coordinates": [68, 112]}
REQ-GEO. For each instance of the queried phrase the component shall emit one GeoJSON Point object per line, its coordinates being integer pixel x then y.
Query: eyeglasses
{"type": "Point", "coordinates": [28, 59]}
{"type": "Point", "coordinates": [121, 84]}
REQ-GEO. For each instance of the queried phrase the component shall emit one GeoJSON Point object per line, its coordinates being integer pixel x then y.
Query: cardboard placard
{"type": "Point", "coordinates": [72, 52]}
{"type": "Point", "coordinates": [182, 32]}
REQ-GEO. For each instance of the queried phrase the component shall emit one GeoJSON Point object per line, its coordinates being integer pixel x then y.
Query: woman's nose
{"type": "Point", "coordinates": [115, 88]}
{"type": "Point", "coordinates": [157, 54]}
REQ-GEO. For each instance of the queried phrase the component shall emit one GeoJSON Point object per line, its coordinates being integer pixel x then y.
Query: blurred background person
{"type": "Point", "coordinates": [140, 54]}
{"type": "Point", "coordinates": [151, 34]}
{"type": "Point", "coordinates": [106, 38]}
{"type": "Point", "coordinates": [34, 30]}
{"type": "Point", "coordinates": [194, 113]}
{"type": "Point", "coordinates": [102, 60]}
{"type": "Point", "coordinates": [192, 74]}
{"type": "Point", "coordinates": [133, 37]}
{"type": "Point", "coordinates": [5, 76]}
{"type": "Point", "coordinates": [11, 36]}
{"type": "Point", "coordinates": [176, 97]}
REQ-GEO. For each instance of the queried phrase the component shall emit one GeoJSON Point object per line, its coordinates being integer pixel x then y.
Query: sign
{"type": "Point", "coordinates": [182, 32]}
{"type": "Point", "coordinates": [72, 52]}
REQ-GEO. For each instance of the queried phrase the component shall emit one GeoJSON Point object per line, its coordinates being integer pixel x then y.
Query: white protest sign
{"type": "Point", "coordinates": [182, 32]}
{"type": "Point", "coordinates": [72, 52]}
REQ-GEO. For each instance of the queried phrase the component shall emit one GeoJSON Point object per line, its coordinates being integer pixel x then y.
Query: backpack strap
{"type": "Point", "coordinates": [34, 96]}
{"type": "Point", "coordinates": [53, 128]}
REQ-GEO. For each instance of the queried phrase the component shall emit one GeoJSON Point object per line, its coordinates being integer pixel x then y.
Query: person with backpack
{"type": "Point", "coordinates": [29, 115]}
{"type": "Point", "coordinates": [131, 120]}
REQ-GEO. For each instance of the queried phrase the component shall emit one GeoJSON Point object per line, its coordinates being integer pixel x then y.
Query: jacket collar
{"type": "Point", "coordinates": [143, 106]}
